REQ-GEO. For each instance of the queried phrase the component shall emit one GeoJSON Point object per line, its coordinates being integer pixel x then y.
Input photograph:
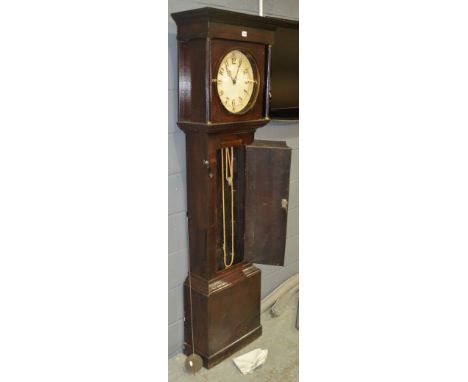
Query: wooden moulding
{"type": "Point", "coordinates": [211, 22]}
{"type": "Point", "coordinates": [204, 36]}
{"type": "Point", "coordinates": [222, 127]}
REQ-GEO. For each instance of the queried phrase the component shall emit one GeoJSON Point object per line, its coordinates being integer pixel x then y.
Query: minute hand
{"type": "Point", "coordinates": [235, 78]}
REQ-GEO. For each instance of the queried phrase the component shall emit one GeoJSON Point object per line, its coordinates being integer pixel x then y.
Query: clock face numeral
{"type": "Point", "coordinates": [236, 81]}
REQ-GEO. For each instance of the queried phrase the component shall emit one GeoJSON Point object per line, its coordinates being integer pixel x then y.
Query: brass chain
{"type": "Point", "coordinates": [227, 154]}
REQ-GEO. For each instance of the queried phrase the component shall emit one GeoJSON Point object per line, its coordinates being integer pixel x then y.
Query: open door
{"type": "Point", "coordinates": [267, 167]}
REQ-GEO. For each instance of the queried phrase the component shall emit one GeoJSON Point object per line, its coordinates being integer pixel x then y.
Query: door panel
{"type": "Point", "coordinates": [266, 201]}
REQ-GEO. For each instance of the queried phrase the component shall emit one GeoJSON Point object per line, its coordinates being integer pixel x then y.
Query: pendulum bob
{"type": "Point", "coordinates": [193, 363]}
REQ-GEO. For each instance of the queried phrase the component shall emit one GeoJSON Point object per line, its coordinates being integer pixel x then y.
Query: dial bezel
{"type": "Point", "coordinates": [256, 75]}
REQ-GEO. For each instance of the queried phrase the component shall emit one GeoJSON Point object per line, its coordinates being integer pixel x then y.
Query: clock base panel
{"type": "Point", "coordinates": [226, 313]}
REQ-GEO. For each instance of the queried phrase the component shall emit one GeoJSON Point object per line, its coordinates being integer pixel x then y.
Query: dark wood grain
{"type": "Point", "coordinates": [202, 42]}
{"type": "Point", "coordinates": [268, 165]}
{"type": "Point", "coordinates": [192, 81]}
{"type": "Point", "coordinates": [226, 313]}
{"type": "Point", "coordinates": [211, 22]}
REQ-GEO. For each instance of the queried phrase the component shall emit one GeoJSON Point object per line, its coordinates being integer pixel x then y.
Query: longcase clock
{"type": "Point", "coordinates": [237, 188]}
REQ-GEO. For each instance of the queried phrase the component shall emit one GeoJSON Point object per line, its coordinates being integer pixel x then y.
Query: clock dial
{"type": "Point", "coordinates": [237, 81]}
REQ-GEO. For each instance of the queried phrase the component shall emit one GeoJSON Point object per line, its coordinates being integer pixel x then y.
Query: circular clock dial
{"type": "Point", "coordinates": [237, 81]}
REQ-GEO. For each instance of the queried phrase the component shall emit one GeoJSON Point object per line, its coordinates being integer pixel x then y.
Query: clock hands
{"type": "Point", "coordinates": [235, 79]}
{"type": "Point", "coordinates": [237, 95]}
{"type": "Point", "coordinates": [229, 72]}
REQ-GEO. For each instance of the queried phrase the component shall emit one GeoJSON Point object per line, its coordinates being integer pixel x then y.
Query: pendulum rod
{"type": "Point", "coordinates": [227, 155]}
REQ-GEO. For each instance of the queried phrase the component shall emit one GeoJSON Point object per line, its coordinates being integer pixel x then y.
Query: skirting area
{"type": "Point", "coordinates": [280, 337]}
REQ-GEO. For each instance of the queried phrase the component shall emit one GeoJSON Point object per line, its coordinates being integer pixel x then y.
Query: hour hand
{"type": "Point", "coordinates": [229, 72]}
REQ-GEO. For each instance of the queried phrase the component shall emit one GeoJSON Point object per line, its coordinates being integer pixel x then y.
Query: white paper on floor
{"type": "Point", "coordinates": [248, 362]}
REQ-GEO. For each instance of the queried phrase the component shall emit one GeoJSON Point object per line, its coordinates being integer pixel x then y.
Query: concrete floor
{"type": "Point", "coordinates": [280, 337]}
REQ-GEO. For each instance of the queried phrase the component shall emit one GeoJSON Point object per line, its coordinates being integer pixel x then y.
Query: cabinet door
{"type": "Point", "coordinates": [266, 201]}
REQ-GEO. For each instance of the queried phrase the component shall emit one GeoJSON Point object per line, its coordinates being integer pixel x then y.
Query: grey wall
{"type": "Point", "coordinates": [288, 131]}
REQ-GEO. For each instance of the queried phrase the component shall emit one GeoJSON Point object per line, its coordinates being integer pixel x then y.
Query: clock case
{"type": "Point", "coordinates": [225, 308]}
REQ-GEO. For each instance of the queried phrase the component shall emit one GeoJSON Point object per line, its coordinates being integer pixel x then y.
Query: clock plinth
{"type": "Point", "coordinates": [222, 327]}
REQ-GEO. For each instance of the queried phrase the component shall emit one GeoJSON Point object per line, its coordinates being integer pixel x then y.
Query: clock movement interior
{"type": "Point", "coordinates": [230, 206]}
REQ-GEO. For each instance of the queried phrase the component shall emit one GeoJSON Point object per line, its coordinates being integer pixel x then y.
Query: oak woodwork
{"type": "Point", "coordinates": [266, 201]}
{"type": "Point", "coordinates": [225, 309]}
